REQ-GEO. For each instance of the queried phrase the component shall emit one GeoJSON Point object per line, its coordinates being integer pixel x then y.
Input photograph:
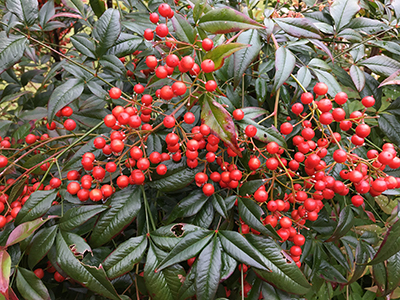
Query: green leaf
{"type": "Point", "coordinates": [363, 254]}
{"type": "Point", "coordinates": [222, 52]}
{"type": "Point", "coordinates": [64, 95]}
{"type": "Point", "coordinates": [165, 284]}
{"type": "Point", "coordinates": [393, 272]}
{"type": "Point", "coordinates": [188, 247]}
{"type": "Point", "coordinates": [342, 11]}
{"type": "Point", "coordinates": [225, 20]}
{"type": "Point", "coordinates": [251, 213]}
{"type": "Point", "coordinates": [330, 273]}
{"type": "Point", "coordinates": [253, 113]}
{"type": "Point", "coordinates": [5, 271]}
{"type": "Point", "coordinates": [390, 244]}
{"type": "Point", "coordinates": [125, 257]}
{"type": "Point", "coordinates": [298, 27]}
{"type": "Point", "coordinates": [25, 10]}
{"type": "Point", "coordinates": [244, 57]}
{"type": "Point", "coordinates": [265, 135]}
{"type": "Point", "coordinates": [83, 44]}
{"type": "Point", "coordinates": [112, 63]}
{"type": "Point", "coordinates": [345, 223]}
{"type": "Point", "coordinates": [358, 77]}
{"type": "Point", "coordinates": [24, 230]}
{"type": "Point", "coordinates": [78, 215]}
{"type": "Point", "coordinates": [379, 275]}
{"type": "Point", "coordinates": [125, 205]}
{"type": "Point", "coordinates": [41, 244]}
{"type": "Point", "coordinates": [250, 186]}
{"type": "Point", "coordinates": [17, 190]}
{"type": "Point", "coordinates": [98, 7]}
{"type": "Point", "coordinates": [75, 5]}
{"type": "Point", "coordinates": [336, 253]}
{"type": "Point", "coordinates": [36, 206]}
{"type": "Point", "coordinates": [220, 122]}
{"type": "Point", "coordinates": [107, 30]}
{"type": "Point", "coordinates": [90, 277]}
{"type": "Point", "coordinates": [167, 237]}
{"type": "Point", "coordinates": [208, 270]}
{"type": "Point", "coordinates": [11, 49]}
{"type": "Point", "coordinates": [381, 65]}
{"type": "Point", "coordinates": [177, 177]}
{"type": "Point", "coordinates": [389, 124]}
{"type": "Point", "coordinates": [240, 249]}
{"type": "Point", "coordinates": [183, 30]}
{"type": "Point", "coordinates": [329, 80]}
{"type": "Point", "coordinates": [228, 266]}
{"type": "Point", "coordinates": [284, 66]}
{"type": "Point", "coordinates": [200, 7]}
{"type": "Point", "coordinates": [219, 205]}
{"type": "Point", "coordinates": [30, 286]}
{"type": "Point", "coordinates": [126, 44]}
{"type": "Point", "coordinates": [367, 25]}
{"type": "Point", "coordinates": [188, 289]}
{"type": "Point", "coordinates": [46, 13]}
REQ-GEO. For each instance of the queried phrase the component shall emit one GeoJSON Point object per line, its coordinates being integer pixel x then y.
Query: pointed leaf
{"type": "Point", "coordinates": [367, 25]}
{"type": "Point", "coordinates": [251, 213]}
{"type": "Point", "coordinates": [30, 286]}
{"type": "Point", "coordinates": [90, 277]}
{"type": "Point", "coordinates": [363, 254]}
{"type": "Point", "coordinates": [244, 57]}
{"type": "Point", "coordinates": [240, 249]}
{"type": "Point", "coordinates": [78, 215]}
{"type": "Point", "coordinates": [187, 248]}
{"type": "Point", "coordinates": [381, 65]}
{"type": "Point", "coordinates": [284, 65]}
{"type": "Point", "coordinates": [111, 62]}
{"type": "Point", "coordinates": [337, 254]}
{"type": "Point", "coordinates": [64, 95]}
{"type": "Point", "coordinates": [263, 134]}
{"type": "Point", "coordinates": [392, 79]}
{"type": "Point", "coordinates": [222, 52]}
{"type": "Point", "coordinates": [25, 10]}
{"type": "Point", "coordinates": [98, 7]}
{"type": "Point", "coordinates": [46, 13]}
{"type": "Point", "coordinates": [389, 125]}
{"type": "Point", "coordinates": [125, 45]}
{"type": "Point", "coordinates": [390, 244]}
{"type": "Point", "coordinates": [253, 113]}
{"type": "Point", "coordinates": [345, 222]}
{"type": "Point", "coordinates": [358, 77]}
{"type": "Point", "coordinates": [41, 244]}
{"type": "Point", "coordinates": [220, 122]}
{"type": "Point", "coordinates": [5, 270]}
{"type": "Point", "coordinates": [125, 257]}
{"type": "Point", "coordinates": [11, 50]}
{"type": "Point", "coordinates": [219, 205]}
{"type": "Point", "coordinates": [330, 273]}
{"type": "Point", "coordinates": [208, 270]}
{"type": "Point", "coordinates": [107, 30]}
{"type": "Point", "coordinates": [188, 206]}
{"type": "Point", "coordinates": [342, 11]}
{"type": "Point", "coordinates": [165, 284]}
{"type": "Point", "coordinates": [329, 80]}
{"type": "Point", "coordinates": [393, 272]}
{"type": "Point", "coordinates": [225, 20]}
{"type": "Point", "coordinates": [183, 30]}
{"type": "Point", "coordinates": [125, 205]}
{"type": "Point", "coordinates": [84, 45]}
{"type": "Point", "coordinates": [36, 206]}
{"type": "Point", "coordinates": [298, 27]}
{"type": "Point", "coordinates": [24, 230]}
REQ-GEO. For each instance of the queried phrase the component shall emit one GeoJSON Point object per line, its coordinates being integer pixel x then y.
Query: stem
{"type": "Point", "coordinates": [276, 108]}
{"type": "Point", "coordinates": [148, 212]}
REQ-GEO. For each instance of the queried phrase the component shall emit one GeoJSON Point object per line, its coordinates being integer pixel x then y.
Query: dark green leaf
{"type": "Point", "coordinates": [11, 49]}
{"type": "Point", "coordinates": [205, 216]}
{"type": "Point", "coordinates": [64, 95]}
{"type": "Point", "coordinates": [165, 284]}
{"type": "Point", "coordinates": [41, 244]}
{"type": "Point", "coordinates": [188, 288]}
{"type": "Point", "coordinates": [46, 13]}
{"type": "Point", "coordinates": [393, 272]}
{"type": "Point", "coordinates": [84, 45]}
{"type": "Point", "coordinates": [125, 205]}
{"type": "Point", "coordinates": [251, 213]}
{"type": "Point", "coordinates": [337, 254]}
{"type": "Point", "coordinates": [265, 135]}
{"type": "Point", "coordinates": [16, 191]}
{"type": "Point", "coordinates": [363, 254]}
{"type": "Point", "coordinates": [90, 277]}
{"type": "Point", "coordinates": [200, 7]}
{"type": "Point", "coordinates": [358, 77]}
{"type": "Point", "coordinates": [367, 25]}
{"type": "Point", "coordinates": [78, 215]}
{"type": "Point", "coordinates": [240, 249]}
{"type": "Point", "coordinates": [107, 30]}
{"type": "Point", "coordinates": [30, 286]}
{"type": "Point", "coordinates": [390, 127]}
{"type": "Point", "coordinates": [188, 206]}
{"type": "Point", "coordinates": [25, 10]}
{"type": "Point", "coordinates": [342, 11]}
{"type": "Point", "coordinates": [24, 230]}
{"type": "Point", "coordinates": [182, 28]}
{"type": "Point", "coordinates": [112, 63]}
{"type": "Point", "coordinates": [75, 5]}
{"type": "Point", "coordinates": [253, 112]}
{"type": "Point", "coordinates": [188, 247]}
{"type": "Point", "coordinates": [222, 52]}
{"type": "Point", "coordinates": [282, 273]}
{"type": "Point", "coordinates": [224, 20]}
{"type": "Point", "coordinates": [379, 275]}
{"type": "Point", "coordinates": [250, 186]}
{"type": "Point", "coordinates": [126, 44]}
{"type": "Point", "coordinates": [36, 206]}
{"type": "Point", "coordinates": [345, 222]}
{"type": "Point", "coordinates": [219, 205]}
{"type": "Point", "coordinates": [124, 258]}
{"type": "Point", "coordinates": [284, 65]}
{"type": "Point", "coordinates": [390, 244]}
{"type": "Point", "coordinates": [98, 7]}
{"type": "Point", "coordinates": [208, 270]}
{"type": "Point", "coordinates": [330, 273]}
{"type": "Point", "coordinates": [372, 88]}
{"type": "Point", "coordinates": [381, 65]}
{"type": "Point", "coordinates": [299, 27]}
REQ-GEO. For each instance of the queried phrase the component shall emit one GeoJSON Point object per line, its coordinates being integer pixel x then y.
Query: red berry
{"type": "Point", "coordinates": [39, 273]}
{"type": "Point", "coordinates": [368, 101]}
{"type": "Point", "coordinates": [207, 44]}
{"type": "Point", "coordinates": [162, 30]}
{"type": "Point", "coordinates": [211, 85]}
{"type": "Point", "coordinates": [58, 277]}
{"type": "Point", "coordinates": [306, 98]}
{"type": "Point", "coordinates": [357, 200]}
{"type": "Point", "coordinates": [114, 93]}
{"type": "Point", "coordinates": [286, 128]}
{"type": "Point", "coordinates": [250, 131]}
{"type": "Point", "coordinates": [154, 18]}
{"type": "Point", "coordinates": [341, 98]}
{"type": "Point", "coordinates": [164, 10]}
{"type": "Point", "coordinates": [238, 114]}
{"type": "Point", "coordinates": [3, 161]}
{"type": "Point", "coordinates": [189, 118]}
{"type": "Point", "coordinates": [69, 124]}
{"type": "Point", "coordinates": [169, 121]}
{"type": "Point", "coordinates": [148, 34]}
{"type": "Point", "coordinates": [179, 88]}
{"type": "Point", "coordinates": [207, 66]}
{"type": "Point", "coordinates": [320, 89]}
{"type": "Point", "coordinates": [208, 189]}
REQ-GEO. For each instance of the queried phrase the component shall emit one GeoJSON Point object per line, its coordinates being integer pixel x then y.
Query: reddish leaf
{"type": "Point", "coordinates": [222, 52]}
{"type": "Point", "coordinates": [5, 269]}
{"type": "Point", "coordinates": [24, 230]}
{"type": "Point", "coordinates": [66, 15]}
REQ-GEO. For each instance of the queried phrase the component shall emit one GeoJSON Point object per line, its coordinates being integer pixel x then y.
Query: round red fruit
{"type": "Point", "coordinates": [320, 89]}
{"type": "Point", "coordinates": [114, 93]}
{"type": "Point", "coordinates": [207, 44]}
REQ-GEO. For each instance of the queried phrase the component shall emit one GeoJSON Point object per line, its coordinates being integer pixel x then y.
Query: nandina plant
{"type": "Point", "coordinates": [193, 150]}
